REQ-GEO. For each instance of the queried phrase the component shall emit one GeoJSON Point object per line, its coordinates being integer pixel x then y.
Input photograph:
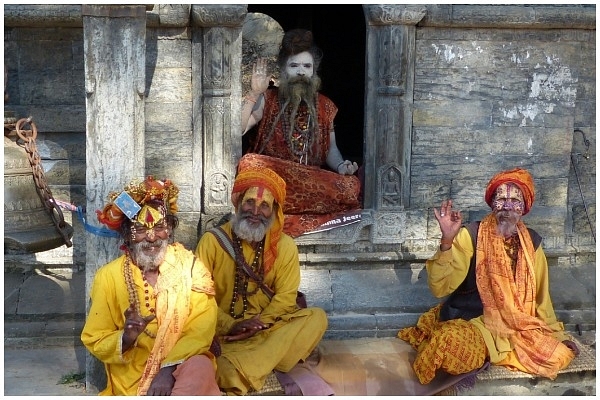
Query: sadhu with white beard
{"type": "Point", "coordinates": [256, 270]}
{"type": "Point", "coordinates": [296, 137]}
{"type": "Point", "coordinates": [153, 313]}
{"type": "Point", "coordinates": [495, 275]}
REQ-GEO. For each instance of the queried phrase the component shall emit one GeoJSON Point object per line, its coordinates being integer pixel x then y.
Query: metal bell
{"type": "Point", "coordinates": [30, 225]}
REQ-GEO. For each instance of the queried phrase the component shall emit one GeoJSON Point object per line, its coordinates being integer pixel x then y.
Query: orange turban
{"type": "Point", "coordinates": [520, 177]}
{"type": "Point", "coordinates": [265, 178]}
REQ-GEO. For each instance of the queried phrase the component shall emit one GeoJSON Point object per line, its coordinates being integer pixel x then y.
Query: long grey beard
{"type": "Point", "coordinates": [296, 90]}
{"type": "Point", "coordinates": [146, 262]}
{"type": "Point", "coordinates": [242, 228]}
{"type": "Point", "coordinates": [507, 223]}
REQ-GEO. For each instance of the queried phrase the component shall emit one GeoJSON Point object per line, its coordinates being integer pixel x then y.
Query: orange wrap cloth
{"type": "Point", "coordinates": [265, 178]}
{"type": "Point", "coordinates": [456, 346]}
{"type": "Point", "coordinates": [520, 177]}
{"type": "Point", "coordinates": [509, 304]}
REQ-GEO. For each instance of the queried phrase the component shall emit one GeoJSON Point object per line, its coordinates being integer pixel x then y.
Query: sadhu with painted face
{"type": "Point", "coordinates": [495, 275]}
{"type": "Point", "coordinates": [256, 270]}
{"type": "Point", "coordinates": [153, 313]}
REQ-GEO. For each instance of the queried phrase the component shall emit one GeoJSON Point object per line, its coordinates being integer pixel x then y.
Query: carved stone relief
{"type": "Point", "coordinates": [389, 180]}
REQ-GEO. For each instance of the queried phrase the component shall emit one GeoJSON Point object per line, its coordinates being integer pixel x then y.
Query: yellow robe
{"type": "Point", "coordinates": [293, 333]}
{"type": "Point", "coordinates": [447, 269]}
{"type": "Point", "coordinates": [103, 330]}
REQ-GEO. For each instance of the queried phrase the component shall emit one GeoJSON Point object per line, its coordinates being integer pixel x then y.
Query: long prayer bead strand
{"type": "Point", "coordinates": [240, 286]}
{"type": "Point", "coordinates": [133, 296]}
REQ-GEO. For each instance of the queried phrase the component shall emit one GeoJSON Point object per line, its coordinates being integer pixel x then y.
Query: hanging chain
{"type": "Point", "coordinates": [28, 143]}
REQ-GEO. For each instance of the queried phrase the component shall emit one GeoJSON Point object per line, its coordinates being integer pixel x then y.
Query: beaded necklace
{"type": "Point", "coordinates": [133, 295]}
{"type": "Point", "coordinates": [512, 246]}
{"type": "Point", "coordinates": [300, 140]}
{"type": "Point", "coordinates": [240, 285]}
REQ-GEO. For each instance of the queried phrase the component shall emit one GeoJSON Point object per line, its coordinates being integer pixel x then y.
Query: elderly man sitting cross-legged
{"type": "Point", "coordinates": [495, 275]}
{"type": "Point", "coordinates": [153, 312]}
{"type": "Point", "coordinates": [260, 327]}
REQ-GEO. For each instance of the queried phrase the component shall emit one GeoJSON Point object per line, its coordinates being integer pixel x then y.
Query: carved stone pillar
{"type": "Point", "coordinates": [114, 41]}
{"type": "Point", "coordinates": [216, 72]}
{"type": "Point", "coordinates": [388, 115]}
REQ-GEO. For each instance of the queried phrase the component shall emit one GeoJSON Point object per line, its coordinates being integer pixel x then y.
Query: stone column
{"type": "Point", "coordinates": [216, 85]}
{"type": "Point", "coordinates": [115, 57]}
{"type": "Point", "coordinates": [388, 118]}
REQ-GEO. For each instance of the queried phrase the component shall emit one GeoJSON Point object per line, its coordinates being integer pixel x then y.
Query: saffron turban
{"type": "Point", "coordinates": [520, 177]}
{"type": "Point", "coordinates": [265, 178]}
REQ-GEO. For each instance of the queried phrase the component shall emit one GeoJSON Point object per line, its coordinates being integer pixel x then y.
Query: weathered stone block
{"type": "Point", "coordinates": [61, 146]}
{"type": "Point", "coordinates": [316, 285]}
{"type": "Point", "coordinates": [54, 118]}
{"type": "Point", "coordinates": [387, 290]}
{"type": "Point", "coordinates": [169, 85]}
{"type": "Point", "coordinates": [168, 117]}
{"type": "Point", "coordinates": [168, 52]}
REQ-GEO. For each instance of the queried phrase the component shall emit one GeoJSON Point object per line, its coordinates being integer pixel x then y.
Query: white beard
{"type": "Point", "coordinates": [250, 233]}
{"type": "Point", "coordinates": [146, 262]}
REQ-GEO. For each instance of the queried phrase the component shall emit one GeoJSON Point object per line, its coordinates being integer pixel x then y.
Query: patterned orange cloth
{"type": "Point", "coordinates": [455, 346]}
{"type": "Point", "coordinates": [509, 305]}
{"type": "Point", "coordinates": [520, 177]}
{"type": "Point", "coordinates": [258, 176]}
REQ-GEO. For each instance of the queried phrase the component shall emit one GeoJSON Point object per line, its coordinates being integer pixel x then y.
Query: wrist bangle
{"type": "Point", "coordinates": [338, 166]}
{"type": "Point", "coordinates": [446, 241]}
{"type": "Point", "coordinates": [251, 99]}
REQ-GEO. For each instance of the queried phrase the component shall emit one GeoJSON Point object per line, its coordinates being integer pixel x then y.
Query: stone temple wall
{"type": "Point", "coordinates": [453, 95]}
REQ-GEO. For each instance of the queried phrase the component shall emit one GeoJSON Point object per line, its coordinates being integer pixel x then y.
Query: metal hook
{"type": "Point", "coordinates": [586, 142]}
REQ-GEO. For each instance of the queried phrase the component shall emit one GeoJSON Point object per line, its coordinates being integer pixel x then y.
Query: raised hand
{"type": "Point", "coordinates": [260, 78]}
{"type": "Point", "coordinates": [450, 222]}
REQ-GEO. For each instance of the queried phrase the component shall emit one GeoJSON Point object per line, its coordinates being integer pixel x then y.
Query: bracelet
{"type": "Point", "coordinates": [446, 241]}
{"type": "Point", "coordinates": [249, 99]}
{"type": "Point", "coordinates": [337, 169]}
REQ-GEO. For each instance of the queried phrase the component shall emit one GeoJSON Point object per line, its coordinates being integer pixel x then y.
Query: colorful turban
{"type": "Point", "coordinates": [265, 178]}
{"type": "Point", "coordinates": [520, 177]}
{"type": "Point", "coordinates": [147, 202]}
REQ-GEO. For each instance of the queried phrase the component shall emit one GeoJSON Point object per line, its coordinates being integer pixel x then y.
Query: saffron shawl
{"type": "Point", "coordinates": [509, 305]}
{"type": "Point", "coordinates": [172, 290]}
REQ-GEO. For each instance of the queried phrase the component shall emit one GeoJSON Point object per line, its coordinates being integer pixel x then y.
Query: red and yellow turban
{"type": "Point", "coordinates": [265, 178]}
{"type": "Point", "coordinates": [157, 198]}
{"type": "Point", "coordinates": [520, 177]}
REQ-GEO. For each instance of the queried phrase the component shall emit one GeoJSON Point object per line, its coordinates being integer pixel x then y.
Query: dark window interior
{"type": "Point", "coordinates": [339, 30]}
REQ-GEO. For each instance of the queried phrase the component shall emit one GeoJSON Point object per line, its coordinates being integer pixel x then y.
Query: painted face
{"type": "Point", "coordinates": [300, 64]}
{"type": "Point", "coordinates": [508, 197]}
{"type": "Point", "coordinates": [258, 201]}
{"type": "Point", "coordinates": [140, 232]}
